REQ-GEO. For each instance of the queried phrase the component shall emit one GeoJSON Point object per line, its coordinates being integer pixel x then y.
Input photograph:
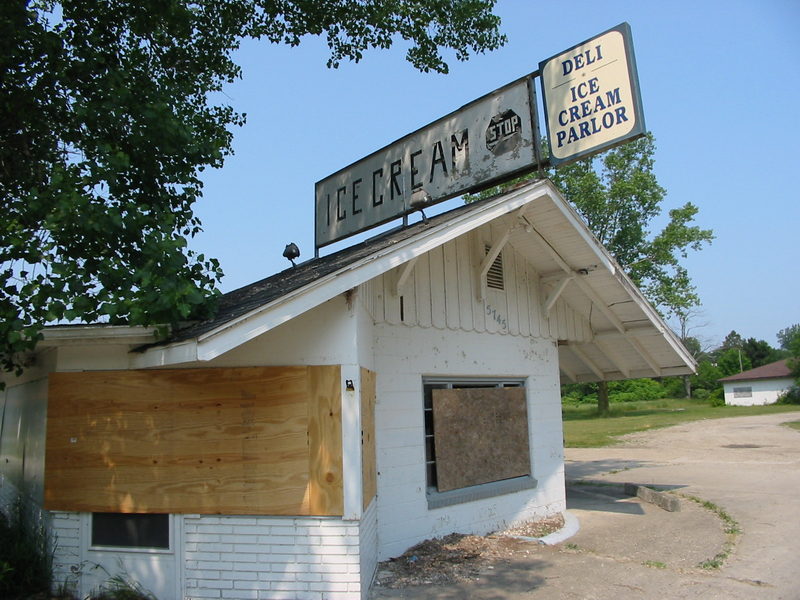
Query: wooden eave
{"type": "Point", "coordinates": [627, 336]}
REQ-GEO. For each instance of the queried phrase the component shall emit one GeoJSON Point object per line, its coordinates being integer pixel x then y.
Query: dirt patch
{"type": "Point", "coordinates": [458, 557]}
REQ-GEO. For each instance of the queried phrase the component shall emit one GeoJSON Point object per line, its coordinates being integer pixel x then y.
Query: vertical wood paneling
{"type": "Point", "coordinates": [369, 475]}
{"type": "Point", "coordinates": [438, 310]}
{"type": "Point", "coordinates": [379, 313]}
{"type": "Point", "coordinates": [479, 305]}
{"type": "Point", "coordinates": [422, 283]}
{"type": "Point", "coordinates": [391, 300]}
{"type": "Point", "coordinates": [510, 283]}
{"type": "Point", "coordinates": [452, 309]}
{"type": "Point", "coordinates": [523, 292]}
{"type": "Point", "coordinates": [466, 285]}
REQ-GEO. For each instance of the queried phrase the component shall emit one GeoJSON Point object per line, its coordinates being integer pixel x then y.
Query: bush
{"type": "Point", "coordinates": [792, 396]}
{"type": "Point", "coordinates": [25, 556]}
{"type": "Point", "coordinates": [701, 394]}
{"type": "Point", "coordinates": [717, 397]}
{"type": "Point", "coordinates": [635, 390]}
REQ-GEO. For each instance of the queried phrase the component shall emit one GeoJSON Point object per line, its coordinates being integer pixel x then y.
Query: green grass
{"type": "Point", "coordinates": [584, 428]}
{"type": "Point", "coordinates": [793, 425]}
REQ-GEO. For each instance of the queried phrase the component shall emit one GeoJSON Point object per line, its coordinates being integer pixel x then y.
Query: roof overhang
{"type": "Point", "coordinates": [620, 335]}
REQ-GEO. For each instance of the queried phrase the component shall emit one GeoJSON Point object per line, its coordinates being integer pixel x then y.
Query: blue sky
{"type": "Point", "coordinates": [720, 84]}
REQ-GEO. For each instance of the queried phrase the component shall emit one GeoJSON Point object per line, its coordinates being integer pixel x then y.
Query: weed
{"type": "Point", "coordinates": [730, 527]}
{"type": "Point", "coordinates": [26, 557]}
{"type": "Point", "coordinates": [655, 564]}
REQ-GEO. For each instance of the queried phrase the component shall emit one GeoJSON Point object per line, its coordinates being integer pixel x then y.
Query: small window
{"type": "Point", "coordinates": [124, 530]}
{"type": "Point", "coordinates": [743, 392]}
{"type": "Point", "coordinates": [494, 276]}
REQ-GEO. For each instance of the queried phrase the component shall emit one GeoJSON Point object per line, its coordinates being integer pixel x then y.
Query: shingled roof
{"type": "Point", "coordinates": [776, 370]}
{"type": "Point", "coordinates": [239, 302]}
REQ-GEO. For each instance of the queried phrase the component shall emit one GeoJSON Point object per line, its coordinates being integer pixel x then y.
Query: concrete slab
{"type": "Point", "coordinates": [627, 548]}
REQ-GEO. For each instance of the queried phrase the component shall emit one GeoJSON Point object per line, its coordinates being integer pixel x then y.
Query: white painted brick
{"type": "Point", "coordinates": [216, 583]}
{"type": "Point", "coordinates": [286, 586]}
{"type": "Point", "coordinates": [240, 594]}
{"type": "Point", "coordinates": [247, 585]}
{"type": "Point", "coordinates": [240, 575]}
{"type": "Point", "coordinates": [205, 555]}
{"type": "Point", "coordinates": [328, 587]}
{"type": "Point", "coordinates": [204, 593]}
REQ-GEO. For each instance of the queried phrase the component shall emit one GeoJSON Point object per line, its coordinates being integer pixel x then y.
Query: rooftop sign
{"type": "Point", "coordinates": [489, 139]}
{"type": "Point", "coordinates": [591, 96]}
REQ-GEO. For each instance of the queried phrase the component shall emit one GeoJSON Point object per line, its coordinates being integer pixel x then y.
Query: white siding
{"type": "Point", "coordinates": [443, 292]}
{"type": "Point", "coordinates": [763, 391]}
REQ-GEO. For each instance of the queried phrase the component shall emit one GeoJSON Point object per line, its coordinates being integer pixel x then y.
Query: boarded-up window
{"type": "Point", "coordinates": [475, 434]}
{"type": "Point", "coordinates": [256, 440]}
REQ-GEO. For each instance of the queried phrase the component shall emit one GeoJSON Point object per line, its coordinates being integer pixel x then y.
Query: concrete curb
{"type": "Point", "coordinates": [662, 500]}
{"type": "Point", "coordinates": [570, 528]}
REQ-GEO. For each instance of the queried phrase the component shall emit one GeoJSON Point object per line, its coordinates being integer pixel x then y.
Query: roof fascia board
{"type": "Point", "coordinates": [182, 352]}
{"type": "Point", "coordinates": [258, 321]}
{"type": "Point", "coordinates": [605, 257]}
{"type": "Point", "coordinates": [110, 334]}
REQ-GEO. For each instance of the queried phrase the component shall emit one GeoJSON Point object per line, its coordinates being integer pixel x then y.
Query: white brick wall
{"type": "Point", "coordinates": [254, 558]}
{"type": "Point", "coordinates": [404, 518]}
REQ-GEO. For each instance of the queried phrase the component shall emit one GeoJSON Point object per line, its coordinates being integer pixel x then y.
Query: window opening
{"type": "Point", "coordinates": [131, 530]}
{"type": "Point", "coordinates": [743, 392]}
{"type": "Point", "coordinates": [430, 439]}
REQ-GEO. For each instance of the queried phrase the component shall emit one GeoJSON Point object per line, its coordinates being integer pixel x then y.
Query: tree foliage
{"type": "Point", "coordinates": [788, 335]}
{"type": "Point", "coordinates": [106, 123]}
{"type": "Point", "coordinates": [619, 197]}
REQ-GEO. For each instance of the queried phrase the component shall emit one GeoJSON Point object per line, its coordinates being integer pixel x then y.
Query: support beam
{"type": "Point", "coordinates": [646, 356]}
{"type": "Point", "coordinates": [553, 297]}
{"type": "Point", "coordinates": [403, 275]}
{"type": "Point", "coordinates": [601, 306]}
{"type": "Point", "coordinates": [568, 372]}
{"type": "Point", "coordinates": [615, 358]}
{"type": "Point", "coordinates": [587, 361]}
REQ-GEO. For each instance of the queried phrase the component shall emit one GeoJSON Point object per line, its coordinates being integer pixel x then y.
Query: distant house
{"type": "Point", "coordinates": [762, 385]}
{"type": "Point", "coordinates": [331, 415]}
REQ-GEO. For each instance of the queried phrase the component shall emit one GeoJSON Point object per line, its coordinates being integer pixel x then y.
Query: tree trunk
{"type": "Point", "coordinates": [602, 397]}
{"type": "Point", "coordinates": [687, 386]}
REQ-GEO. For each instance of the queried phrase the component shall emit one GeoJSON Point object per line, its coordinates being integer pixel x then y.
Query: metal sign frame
{"type": "Point", "coordinates": [591, 96]}
{"type": "Point", "coordinates": [489, 140]}
{"type": "Point", "coordinates": [492, 139]}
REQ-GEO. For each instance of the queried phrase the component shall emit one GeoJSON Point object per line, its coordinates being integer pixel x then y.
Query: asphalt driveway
{"type": "Point", "coordinates": [748, 467]}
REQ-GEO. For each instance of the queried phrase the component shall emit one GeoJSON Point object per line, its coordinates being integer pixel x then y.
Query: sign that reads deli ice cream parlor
{"type": "Point", "coordinates": [591, 96]}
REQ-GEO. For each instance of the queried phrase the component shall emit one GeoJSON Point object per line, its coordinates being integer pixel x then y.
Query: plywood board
{"type": "Point", "coordinates": [369, 475]}
{"type": "Point", "coordinates": [481, 435]}
{"type": "Point", "coordinates": [326, 495]}
{"type": "Point", "coordinates": [208, 441]}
